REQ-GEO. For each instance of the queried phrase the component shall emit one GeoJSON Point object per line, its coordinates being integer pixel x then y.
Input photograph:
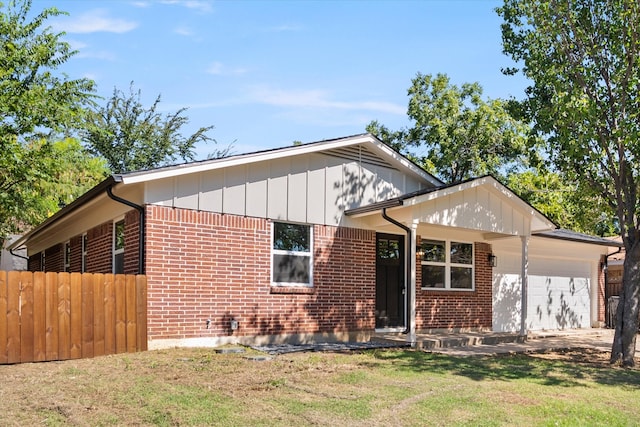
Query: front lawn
{"type": "Point", "coordinates": [370, 388]}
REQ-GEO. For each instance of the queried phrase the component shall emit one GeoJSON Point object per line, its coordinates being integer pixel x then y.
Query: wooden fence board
{"type": "Point", "coordinates": [132, 317]}
{"type": "Point", "coordinates": [76, 316]}
{"type": "Point", "coordinates": [39, 353]}
{"type": "Point", "coordinates": [26, 317]}
{"type": "Point", "coordinates": [87, 316]}
{"type": "Point", "coordinates": [109, 314]}
{"type": "Point", "coordinates": [13, 317]}
{"type": "Point", "coordinates": [121, 314]}
{"type": "Point", "coordinates": [60, 316]}
{"type": "Point", "coordinates": [64, 316]}
{"type": "Point", "coordinates": [52, 327]}
{"type": "Point", "coordinates": [3, 317]}
{"type": "Point", "coordinates": [98, 314]}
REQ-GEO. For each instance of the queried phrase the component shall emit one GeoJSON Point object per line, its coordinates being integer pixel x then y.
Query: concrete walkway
{"type": "Point", "coordinates": [600, 339]}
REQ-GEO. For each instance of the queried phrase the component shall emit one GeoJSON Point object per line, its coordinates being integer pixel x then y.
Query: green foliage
{"type": "Point", "coordinates": [131, 137]}
{"type": "Point", "coordinates": [566, 203]}
{"type": "Point", "coordinates": [36, 103]}
{"type": "Point", "coordinates": [456, 134]}
{"type": "Point", "coordinates": [583, 59]}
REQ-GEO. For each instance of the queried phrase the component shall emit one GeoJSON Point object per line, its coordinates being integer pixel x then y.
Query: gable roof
{"type": "Point", "coordinates": [362, 147]}
{"type": "Point", "coordinates": [539, 221]}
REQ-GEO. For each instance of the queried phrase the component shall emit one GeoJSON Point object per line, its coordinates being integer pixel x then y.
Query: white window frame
{"type": "Point", "coordinates": [66, 256]}
{"type": "Point", "coordinates": [115, 251]}
{"type": "Point", "coordinates": [83, 249]}
{"type": "Point", "coordinates": [447, 264]}
{"type": "Point", "coordinates": [293, 253]}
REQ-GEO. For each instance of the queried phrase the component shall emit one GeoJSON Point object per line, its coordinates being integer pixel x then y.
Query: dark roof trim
{"type": "Point", "coordinates": [573, 236]}
{"type": "Point", "coordinates": [100, 188]}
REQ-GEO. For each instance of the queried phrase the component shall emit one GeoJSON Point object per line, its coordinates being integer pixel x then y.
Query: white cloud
{"type": "Point", "coordinates": [318, 99]}
{"type": "Point", "coordinates": [218, 69]}
{"type": "Point", "coordinates": [285, 28]}
{"type": "Point", "coordinates": [95, 21]}
{"type": "Point", "coordinates": [202, 6]}
{"type": "Point", "coordinates": [183, 31]}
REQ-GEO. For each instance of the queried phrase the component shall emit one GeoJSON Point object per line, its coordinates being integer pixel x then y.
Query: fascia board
{"type": "Point", "coordinates": [243, 159]}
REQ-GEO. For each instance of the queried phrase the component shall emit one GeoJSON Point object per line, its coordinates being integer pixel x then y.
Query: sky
{"type": "Point", "coordinates": [268, 73]}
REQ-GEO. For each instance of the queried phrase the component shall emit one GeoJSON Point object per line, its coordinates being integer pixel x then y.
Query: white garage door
{"type": "Point", "coordinates": [558, 294]}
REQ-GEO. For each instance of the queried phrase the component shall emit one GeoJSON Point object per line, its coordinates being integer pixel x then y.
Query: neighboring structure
{"type": "Point", "coordinates": [332, 240]}
{"type": "Point", "coordinates": [12, 261]}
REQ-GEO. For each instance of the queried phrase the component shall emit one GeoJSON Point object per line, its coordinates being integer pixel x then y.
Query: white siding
{"type": "Point", "coordinates": [475, 209]}
{"type": "Point", "coordinates": [313, 188]}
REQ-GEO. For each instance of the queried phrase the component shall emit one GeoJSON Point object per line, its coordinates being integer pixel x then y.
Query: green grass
{"type": "Point", "coordinates": [196, 387]}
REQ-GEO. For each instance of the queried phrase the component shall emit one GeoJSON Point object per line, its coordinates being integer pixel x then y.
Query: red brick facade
{"type": "Point", "coordinates": [205, 269]}
{"type": "Point", "coordinates": [441, 309]}
{"type": "Point", "coordinates": [99, 250]}
{"type": "Point", "coordinates": [204, 266]}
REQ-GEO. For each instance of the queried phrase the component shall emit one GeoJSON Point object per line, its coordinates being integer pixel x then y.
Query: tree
{"type": "Point", "coordinates": [36, 104]}
{"type": "Point", "coordinates": [568, 204]}
{"type": "Point", "coordinates": [456, 134]}
{"type": "Point", "coordinates": [583, 59]}
{"type": "Point", "coordinates": [131, 137]}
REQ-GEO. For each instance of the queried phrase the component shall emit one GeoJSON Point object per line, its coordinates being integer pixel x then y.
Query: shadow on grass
{"type": "Point", "coordinates": [560, 373]}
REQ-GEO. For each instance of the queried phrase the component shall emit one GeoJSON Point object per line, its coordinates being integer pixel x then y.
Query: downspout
{"type": "Point", "coordinates": [407, 267]}
{"type": "Point", "coordinates": [18, 255]}
{"type": "Point", "coordinates": [141, 226]}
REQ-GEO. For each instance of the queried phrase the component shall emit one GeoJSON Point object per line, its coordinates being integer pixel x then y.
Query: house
{"type": "Point", "coordinates": [332, 240]}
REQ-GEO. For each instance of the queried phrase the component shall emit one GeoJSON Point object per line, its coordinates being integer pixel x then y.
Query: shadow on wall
{"type": "Point", "coordinates": [506, 303]}
{"type": "Point", "coordinates": [359, 189]}
{"type": "Point", "coordinates": [9, 262]}
{"type": "Point", "coordinates": [342, 299]}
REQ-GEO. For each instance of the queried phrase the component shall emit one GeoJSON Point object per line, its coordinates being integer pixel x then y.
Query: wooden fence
{"type": "Point", "coordinates": [60, 316]}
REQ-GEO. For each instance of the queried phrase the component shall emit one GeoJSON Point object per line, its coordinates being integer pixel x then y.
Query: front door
{"type": "Point", "coordinates": [390, 265]}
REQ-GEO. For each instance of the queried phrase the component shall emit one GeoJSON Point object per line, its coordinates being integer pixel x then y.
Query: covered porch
{"type": "Point", "coordinates": [448, 259]}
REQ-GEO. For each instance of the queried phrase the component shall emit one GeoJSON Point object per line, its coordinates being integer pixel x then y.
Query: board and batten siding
{"type": "Point", "coordinates": [313, 188]}
{"type": "Point", "coordinates": [477, 208]}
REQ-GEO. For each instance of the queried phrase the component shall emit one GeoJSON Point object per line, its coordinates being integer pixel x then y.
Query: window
{"type": "Point", "coordinates": [118, 247]}
{"type": "Point", "coordinates": [42, 261]}
{"type": "Point", "coordinates": [67, 256]}
{"type": "Point", "coordinates": [291, 254]}
{"type": "Point", "coordinates": [85, 240]}
{"type": "Point", "coordinates": [446, 265]}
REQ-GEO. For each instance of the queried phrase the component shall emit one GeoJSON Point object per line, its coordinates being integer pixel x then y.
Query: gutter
{"type": "Point", "coordinates": [407, 271]}
{"type": "Point", "coordinates": [141, 226]}
{"type": "Point", "coordinates": [24, 257]}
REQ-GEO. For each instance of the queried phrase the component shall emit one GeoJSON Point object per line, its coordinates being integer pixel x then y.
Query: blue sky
{"type": "Point", "coordinates": [267, 73]}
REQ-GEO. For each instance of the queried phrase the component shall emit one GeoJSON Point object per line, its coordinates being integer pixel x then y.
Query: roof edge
{"type": "Point", "coordinates": [89, 195]}
{"type": "Point", "coordinates": [574, 236]}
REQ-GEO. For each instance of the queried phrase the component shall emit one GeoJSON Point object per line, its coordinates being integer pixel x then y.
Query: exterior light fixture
{"type": "Point", "coordinates": [493, 260]}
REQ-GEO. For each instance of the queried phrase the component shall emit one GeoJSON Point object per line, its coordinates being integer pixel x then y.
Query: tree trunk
{"type": "Point", "coordinates": [624, 341]}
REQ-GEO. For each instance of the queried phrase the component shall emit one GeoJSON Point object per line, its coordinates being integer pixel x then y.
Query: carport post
{"type": "Point", "coordinates": [525, 285]}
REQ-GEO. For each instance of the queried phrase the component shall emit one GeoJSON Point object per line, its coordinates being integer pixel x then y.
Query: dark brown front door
{"type": "Point", "coordinates": [390, 281]}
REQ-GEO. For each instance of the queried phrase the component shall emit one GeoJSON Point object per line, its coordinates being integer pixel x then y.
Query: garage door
{"type": "Point", "coordinates": [558, 294]}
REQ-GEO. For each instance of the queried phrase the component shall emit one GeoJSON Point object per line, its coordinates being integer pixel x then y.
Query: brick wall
{"type": "Point", "coordinates": [99, 249]}
{"type": "Point", "coordinates": [131, 239]}
{"type": "Point", "coordinates": [206, 266]}
{"type": "Point", "coordinates": [440, 309]}
{"type": "Point", "coordinates": [75, 264]}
